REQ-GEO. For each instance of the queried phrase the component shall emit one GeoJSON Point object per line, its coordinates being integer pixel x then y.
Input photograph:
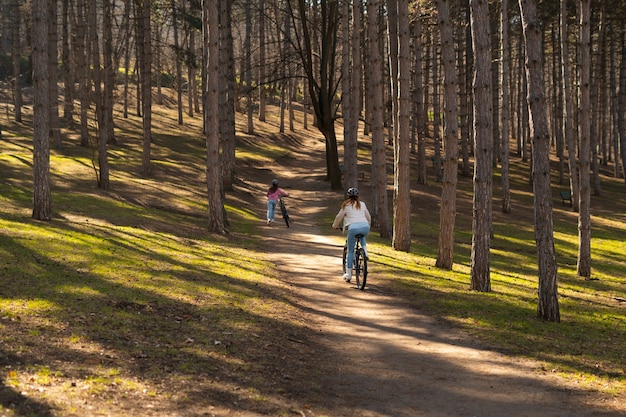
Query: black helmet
{"type": "Point", "coordinates": [274, 182]}
{"type": "Point", "coordinates": [352, 192]}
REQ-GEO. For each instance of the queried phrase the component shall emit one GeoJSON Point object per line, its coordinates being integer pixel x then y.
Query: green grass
{"type": "Point", "coordinates": [129, 282]}
{"type": "Point", "coordinates": [588, 345]}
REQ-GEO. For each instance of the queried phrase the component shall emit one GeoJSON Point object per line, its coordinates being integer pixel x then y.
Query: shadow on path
{"type": "Point", "coordinates": [386, 359]}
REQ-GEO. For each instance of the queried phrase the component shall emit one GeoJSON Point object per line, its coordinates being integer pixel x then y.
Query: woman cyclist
{"type": "Point", "coordinates": [356, 221]}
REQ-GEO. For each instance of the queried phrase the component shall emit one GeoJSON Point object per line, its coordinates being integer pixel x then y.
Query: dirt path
{"type": "Point", "coordinates": [382, 357]}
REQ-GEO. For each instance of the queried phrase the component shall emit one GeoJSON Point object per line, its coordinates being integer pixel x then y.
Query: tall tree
{"type": "Point", "coordinates": [16, 44]}
{"type": "Point", "coordinates": [483, 183]}
{"type": "Point", "coordinates": [210, 27]}
{"type": "Point", "coordinates": [447, 212]}
{"type": "Point", "coordinates": [53, 86]}
{"type": "Point", "coordinates": [41, 110]}
{"type": "Point", "coordinates": [548, 306]}
{"type": "Point", "coordinates": [584, 120]}
{"type": "Point", "coordinates": [401, 184]}
{"type": "Point", "coordinates": [144, 52]}
{"type": "Point", "coordinates": [568, 108]}
{"type": "Point", "coordinates": [504, 104]}
{"type": "Point", "coordinates": [351, 92]}
{"type": "Point", "coordinates": [621, 101]}
{"type": "Point", "coordinates": [262, 63]}
{"type": "Point", "coordinates": [68, 66]}
{"type": "Point", "coordinates": [179, 66]}
{"type": "Point", "coordinates": [319, 65]}
{"type": "Point", "coordinates": [227, 97]}
{"type": "Point", "coordinates": [380, 212]}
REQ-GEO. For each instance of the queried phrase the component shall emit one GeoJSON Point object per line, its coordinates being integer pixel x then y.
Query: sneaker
{"type": "Point", "coordinates": [269, 222]}
{"type": "Point", "coordinates": [347, 277]}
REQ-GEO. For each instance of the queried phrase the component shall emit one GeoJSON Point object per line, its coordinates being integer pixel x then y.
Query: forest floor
{"type": "Point", "coordinates": [380, 356]}
{"type": "Point", "coordinates": [333, 351]}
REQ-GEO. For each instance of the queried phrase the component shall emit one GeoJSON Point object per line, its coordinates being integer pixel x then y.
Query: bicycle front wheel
{"type": "Point", "coordinates": [283, 211]}
{"type": "Point", "coordinates": [360, 268]}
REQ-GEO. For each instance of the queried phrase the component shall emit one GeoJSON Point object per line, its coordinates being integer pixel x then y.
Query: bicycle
{"type": "Point", "coordinates": [359, 264]}
{"type": "Point", "coordinates": [283, 211]}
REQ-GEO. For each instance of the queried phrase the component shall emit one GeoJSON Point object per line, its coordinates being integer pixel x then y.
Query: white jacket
{"type": "Point", "coordinates": [350, 214]}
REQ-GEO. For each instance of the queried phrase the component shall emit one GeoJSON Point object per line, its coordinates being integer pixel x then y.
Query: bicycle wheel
{"type": "Point", "coordinates": [283, 211]}
{"type": "Point", "coordinates": [345, 258]}
{"type": "Point", "coordinates": [360, 268]}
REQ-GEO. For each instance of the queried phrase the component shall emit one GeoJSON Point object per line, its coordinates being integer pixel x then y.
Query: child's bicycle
{"type": "Point", "coordinates": [360, 262]}
{"type": "Point", "coordinates": [283, 211]}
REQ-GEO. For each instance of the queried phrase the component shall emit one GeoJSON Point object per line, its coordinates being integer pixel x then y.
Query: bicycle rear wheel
{"type": "Point", "coordinates": [345, 258]}
{"type": "Point", "coordinates": [360, 268]}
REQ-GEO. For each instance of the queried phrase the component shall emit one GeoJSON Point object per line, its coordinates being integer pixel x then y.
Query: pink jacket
{"type": "Point", "coordinates": [276, 194]}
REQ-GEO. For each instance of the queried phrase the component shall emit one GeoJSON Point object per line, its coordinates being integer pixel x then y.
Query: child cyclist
{"type": "Point", "coordinates": [273, 194]}
{"type": "Point", "coordinates": [356, 221]}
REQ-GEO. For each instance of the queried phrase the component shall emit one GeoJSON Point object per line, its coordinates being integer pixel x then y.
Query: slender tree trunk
{"type": "Point", "coordinates": [483, 183]}
{"type": "Point", "coordinates": [447, 212]}
{"type": "Point", "coordinates": [504, 104]}
{"type": "Point", "coordinates": [558, 102]}
{"type": "Point", "coordinates": [109, 72]}
{"type": "Point", "coordinates": [127, 44]}
{"type": "Point", "coordinates": [584, 217]}
{"type": "Point", "coordinates": [380, 212]}
{"type": "Point", "coordinates": [351, 93]}
{"type": "Point", "coordinates": [53, 86]}
{"type": "Point", "coordinates": [227, 98]}
{"type": "Point", "coordinates": [621, 101]}
{"type": "Point", "coordinates": [144, 43]}
{"type": "Point", "coordinates": [248, 63]}
{"type": "Point", "coordinates": [436, 77]}
{"type": "Point", "coordinates": [464, 74]}
{"type": "Point", "coordinates": [82, 58]}
{"type": "Point", "coordinates": [548, 305]}
{"type": "Point", "coordinates": [101, 103]}
{"type": "Point", "coordinates": [179, 67]}
{"type": "Point", "coordinates": [421, 113]}
{"type": "Point", "coordinates": [16, 44]}
{"type": "Point", "coordinates": [402, 187]}
{"type": "Point", "coordinates": [41, 117]}
{"type": "Point", "coordinates": [568, 108]}
{"type": "Point", "coordinates": [68, 67]}
{"type": "Point", "coordinates": [262, 63]}
{"type": "Point", "coordinates": [597, 100]}
{"type": "Point", "coordinates": [210, 25]}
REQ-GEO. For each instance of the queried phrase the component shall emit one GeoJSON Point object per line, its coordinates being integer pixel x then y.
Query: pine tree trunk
{"type": "Point", "coordinates": [380, 213]}
{"type": "Point", "coordinates": [584, 115]}
{"type": "Point", "coordinates": [41, 110]}
{"type": "Point", "coordinates": [568, 108]}
{"type": "Point", "coordinates": [548, 306]}
{"type": "Point", "coordinates": [53, 74]}
{"type": "Point", "coordinates": [402, 187]}
{"type": "Point", "coordinates": [144, 52]}
{"type": "Point", "coordinates": [16, 47]}
{"type": "Point", "coordinates": [504, 104]}
{"type": "Point", "coordinates": [227, 98]}
{"type": "Point", "coordinates": [179, 67]}
{"type": "Point", "coordinates": [481, 224]}
{"type": "Point", "coordinates": [350, 128]}
{"type": "Point", "coordinates": [262, 48]}
{"type": "Point", "coordinates": [68, 67]}
{"type": "Point", "coordinates": [447, 212]}
{"type": "Point", "coordinates": [210, 25]}
{"type": "Point", "coordinates": [621, 102]}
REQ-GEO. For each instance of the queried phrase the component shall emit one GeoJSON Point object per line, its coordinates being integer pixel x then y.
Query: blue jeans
{"type": "Point", "coordinates": [271, 209]}
{"type": "Point", "coordinates": [353, 230]}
